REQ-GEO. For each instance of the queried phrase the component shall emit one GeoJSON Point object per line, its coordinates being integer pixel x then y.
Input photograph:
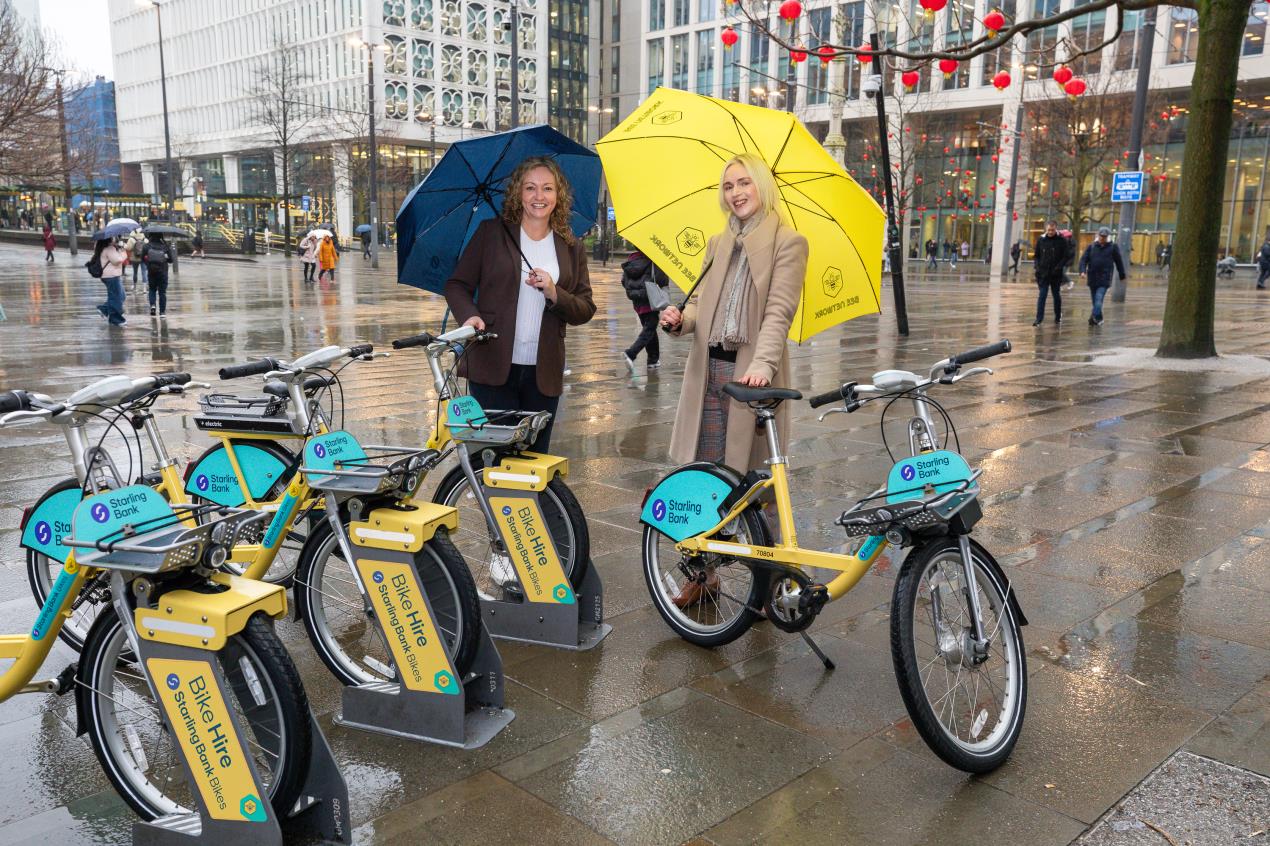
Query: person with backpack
{"type": "Point", "coordinates": [135, 245]}
{"type": "Point", "coordinates": [1263, 265]}
{"type": "Point", "coordinates": [156, 255]}
{"type": "Point", "coordinates": [50, 242]}
{"type": "Point", "coordinates": [107, 265]}
{"type": "Point", "coordinates": [1016, 252]}
{"type": "Point", "coordinates": [638, 273]}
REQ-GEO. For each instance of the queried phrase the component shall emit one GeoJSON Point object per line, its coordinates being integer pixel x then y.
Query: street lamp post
{"type": "Point", "coordinates": [1129, 211]}
{"type": "Point", "coordinates": [515, 65]}
{"type": "Point", "coordinates": [66, 168]}
{"type": "Point", "coordinates": [374, 159]}
{"type": "Point", "coordinates": [167, 131]}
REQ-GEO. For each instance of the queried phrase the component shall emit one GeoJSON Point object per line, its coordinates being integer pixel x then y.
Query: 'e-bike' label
{"type": "Point", "coordinates": [406, 620]}
{"type": "Point", "coordinates": [531, 550]}
{"type": "Point", "coordinates": [202, 727]}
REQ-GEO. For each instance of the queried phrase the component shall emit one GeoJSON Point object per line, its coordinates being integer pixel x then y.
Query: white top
{"type": "Point", "coordinates": [532, 302]}
{"type": "Point", "coordinates": [112, 260]}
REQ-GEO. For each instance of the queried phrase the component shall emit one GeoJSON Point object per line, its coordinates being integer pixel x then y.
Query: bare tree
{"type": "Point", "coordinates": [1190, 308]}
{"type": "Point", "coordinates": [280, 109]}
{"type": "Point", "coordinates": [27, 101]}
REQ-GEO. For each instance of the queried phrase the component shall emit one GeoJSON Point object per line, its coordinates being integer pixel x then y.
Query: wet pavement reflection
{"type": "Point", "coordinates": [1130, 507]}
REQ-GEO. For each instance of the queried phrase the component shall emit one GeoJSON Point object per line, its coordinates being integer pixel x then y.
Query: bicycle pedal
{"type": "Point", "coordinates": [812, 599]}
{"type": "Point", "coordinates": [65, 680]}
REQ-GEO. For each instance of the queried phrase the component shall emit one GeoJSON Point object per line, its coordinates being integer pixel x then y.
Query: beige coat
{"type": "Point", "coordinates": [777, 257]}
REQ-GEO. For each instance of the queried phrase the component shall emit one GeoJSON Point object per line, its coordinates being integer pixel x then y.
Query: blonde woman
{"type": "Point", "coordinates": [524, 277]}
{"type": "Point", "coordinates": [739, 320]}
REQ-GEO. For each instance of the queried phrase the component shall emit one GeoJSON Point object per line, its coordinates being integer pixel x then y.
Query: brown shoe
{"type": "Point", "coordinates": [696, 591]}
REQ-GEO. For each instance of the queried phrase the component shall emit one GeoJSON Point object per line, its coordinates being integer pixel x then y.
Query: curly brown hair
{"type": "Point", "coordinates": [513, 206]}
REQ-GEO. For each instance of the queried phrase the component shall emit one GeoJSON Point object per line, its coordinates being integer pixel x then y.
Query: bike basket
{"type": "Point", "coordinates": [503, 428]}
{"type": "Point", "coordinates": [384, 470]}
{"type": "Point", "coordinates": [873, 515]}
{"type": "Point", "coordinates": [166, 542]}
{"type": "Point", "coordinates": [227, 412]}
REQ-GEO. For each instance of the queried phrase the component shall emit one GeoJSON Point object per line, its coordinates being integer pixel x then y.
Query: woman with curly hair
{"type": "Point", "coordinates": [524, 277]}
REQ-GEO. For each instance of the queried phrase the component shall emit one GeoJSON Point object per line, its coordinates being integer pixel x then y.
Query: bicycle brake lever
{"type": "Point", "coordinates": [832, 411]}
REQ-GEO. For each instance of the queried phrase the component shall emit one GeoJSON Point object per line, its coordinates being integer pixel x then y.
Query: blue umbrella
{"type": "Point", "coordinates": [440, 215]}
{"type": "Point", "coordinates": [361, 227]}
{"type": "Point", "coordinates": [117, 228]}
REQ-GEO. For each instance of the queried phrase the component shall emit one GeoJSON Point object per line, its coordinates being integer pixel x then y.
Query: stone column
{"type": "Point", "coordinates": [343, 190]}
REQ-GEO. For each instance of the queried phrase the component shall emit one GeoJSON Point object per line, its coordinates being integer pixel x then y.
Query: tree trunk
{"type": "Point", "coordinates": [1189, 310]}
{"type": "Point", "coordinates": [286, 201]}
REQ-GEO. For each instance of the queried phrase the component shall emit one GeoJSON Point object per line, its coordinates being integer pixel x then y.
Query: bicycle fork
{"type": "Point", "coordinates": [953, 644]}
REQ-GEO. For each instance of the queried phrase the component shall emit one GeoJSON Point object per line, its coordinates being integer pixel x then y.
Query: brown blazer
{"type": "Point", "coordinates": [486, 282]}
{"type": "Point", "coordinates": [777, 257]}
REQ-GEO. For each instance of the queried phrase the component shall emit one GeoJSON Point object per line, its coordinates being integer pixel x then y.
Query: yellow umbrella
{"type": "Point", "coordinates": [663, 164]}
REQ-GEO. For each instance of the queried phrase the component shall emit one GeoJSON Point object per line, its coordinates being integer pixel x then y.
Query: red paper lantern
{"type": "Point", "coordinates": [910, 79]}
{"type": "Point", "coordinates": [798, 56]}
{"type": "Point", "coordinates": [995, 157]}
{"type": "Point", "coordinates": [865, 56]}
{"type": "Point", "coordinates": [1164, 115]}
{"type": "Point", "coordinates": [825, 52]}
{"type": "Point", "coordinates": [932, 6]}
{"type": "Point", "coordinates": [948, 66]}
{"type": "Point", "coordinates": [1001, 81]}
{"type": "Point", "coordinates": [1063, 74]}
{"type": "Point", "coordinates": [729, 37]}
{"type": "Point", "coordinates": [1075, 88]}
{"type": "Point", "coordinates": [993, 22]}
{"type": "Point", "coordinates": [790, 10]}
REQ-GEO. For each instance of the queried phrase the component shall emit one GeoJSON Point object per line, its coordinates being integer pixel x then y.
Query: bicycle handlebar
{"type": "Point", "coordinates": [360, 350]}
{"type": "Point", "coordinates": [455, 336]}
{"type": "Point", "coordinates": [980, 353]}
{"type": "Point", "coordinates": [254, 368]}
{"type": "Point", "coordinates": [420, 340]}
{"type": "Point", "coordinates": [163, 380]}
{"type": "Point", "coordinates": [14, 401]}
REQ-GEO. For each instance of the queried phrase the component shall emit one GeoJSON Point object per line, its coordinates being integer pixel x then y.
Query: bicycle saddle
{"type": "Point", "coordinates": [744, 393]}
{"type": "Point", "coordinates": [278, 388]}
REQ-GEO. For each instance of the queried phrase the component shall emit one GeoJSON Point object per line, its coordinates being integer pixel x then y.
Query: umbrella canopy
{"type": "Point", "coordinates": [117, 228]}
{"type": "Point", "coordinates": [165, 229]}
{"type": "Point", "coordinates": [318, 233]}
{"type": "Point", "coordinates": [670, 219]}
{"type": "Point", "coordinates": [361, 227]}
{"type": "Point", "coordinates": [439, 216]}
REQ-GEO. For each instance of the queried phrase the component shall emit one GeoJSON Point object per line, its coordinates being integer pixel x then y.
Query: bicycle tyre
{"type": "Point", "coordinates": [443, 576]}
{"type": "Point", "coordinates": [562, 515]}
{"type": "Point", "coordinates": [970, 755]}
{"type": "Point", "coordinates": [98, 704]}
{"type": "Point", "coordinates": [757, 533]}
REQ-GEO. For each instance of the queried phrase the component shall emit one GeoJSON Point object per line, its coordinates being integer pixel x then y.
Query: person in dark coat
{"type": "Point", "coordinates": [1263, 265]}
{"type": "Point", "coordinates": [636, 271]}
{"type": "Point", "coordinates": [1016, 252]}
{"type": "Point", "coordinates": [157, 256]}
{"type": "Point", "coordinates": [931, 250]}
{"type": "Point", "coordinates": [1049, 259]}
{"type": "Point", "coordinates": [1096, 264]}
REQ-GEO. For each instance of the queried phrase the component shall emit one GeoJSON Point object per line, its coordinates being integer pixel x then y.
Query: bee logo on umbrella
{"type": "Point", "coordinates": [690, 240]}
{"type": "Point", "coordinates": [831, 281]}
{"type": "Point", "coordinates": [665, 118]}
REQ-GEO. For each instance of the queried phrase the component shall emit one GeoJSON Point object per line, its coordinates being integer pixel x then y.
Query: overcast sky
{"type": "Point", "coordinates": [83, 28]}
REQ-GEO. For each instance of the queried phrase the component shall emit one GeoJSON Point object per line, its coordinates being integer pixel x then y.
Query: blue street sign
{"type": "Point", "coordinates": [1126, 186]}
{"type": "Point", "coordinates": [304, 202]}
{"type": "Point", "coordinates": [612, 214]}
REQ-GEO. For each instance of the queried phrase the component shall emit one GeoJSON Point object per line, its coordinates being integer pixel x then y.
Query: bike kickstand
{"type": "Point", "coordinates": [824, 659]}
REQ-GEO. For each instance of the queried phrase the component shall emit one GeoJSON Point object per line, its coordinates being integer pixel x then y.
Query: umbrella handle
{"type": "Point", "coordinates": [691, 291]}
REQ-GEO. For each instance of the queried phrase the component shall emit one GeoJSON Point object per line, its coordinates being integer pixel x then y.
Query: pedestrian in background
{"type": "Point", "coordinates": [965, 251]}
{"type": "Point", "coordinates": [308, 256]}
{"type": "Point", "coordinates": [50, 242]}
{"type": "Point", "coordinates": [1166, 258]}
{"type": "Point", "coordinates": [112, 259]}
{"type": "Point", "coordinates": [1263, 265]}
{"type": "Point", "coordinates": [1016, 253]}
{"type": "Point", "coordinates": [931, 249]}
{"type": "Point", "coordinates": [638, 273]}
{"type": "Point", "coordinates": [366, 245]}
{"type": "Point", "coordinates": [1049, 257]}
{"type": "Point", "coordinates": [1096, 264]}
{"type": "Point", "coordinates": [326, 257]}
{"type": "Point", "coordinates": [136, 243]}
{"type": "Point", "coordinates": [156, 255]}
{"type": "Point", "coordinates": [196, 245]}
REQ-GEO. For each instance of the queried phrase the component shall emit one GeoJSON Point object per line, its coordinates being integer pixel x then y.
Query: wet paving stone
{"type": "Point", "coordinates": [1129, 507]}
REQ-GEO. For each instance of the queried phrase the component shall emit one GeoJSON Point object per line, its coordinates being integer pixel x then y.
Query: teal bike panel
{"type": "Point", "coordinates": [685, 503]}
{"type": "Point", "coordinates": [326, 451]}
{"type": "Point", "coordinates": [464, 413]}
{"type": "Point", "coordinates": [106, 513]}
{"type": "Point", "coordinates": [49, 522]}
{"type": "Point", "coordinates": [214, 480]}
{"type": "Point", "coordinates": [943, 469]}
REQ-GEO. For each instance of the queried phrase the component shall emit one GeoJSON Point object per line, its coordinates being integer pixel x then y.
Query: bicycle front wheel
{"type": "Point", "coordinates": [966, 702]}
{"type": "Point", "coordinates": [139, 754]}
{"type": "Point", "coordinates": [343, 627]}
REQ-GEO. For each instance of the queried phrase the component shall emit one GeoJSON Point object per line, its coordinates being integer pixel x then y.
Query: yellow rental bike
{"type": "Point", "coordinates": [713, 567]}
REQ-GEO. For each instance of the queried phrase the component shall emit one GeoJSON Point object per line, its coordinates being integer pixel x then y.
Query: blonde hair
{"type": "Point", "coordinates": [513, 203]}
{"type": "Point", "coordinates": [768, 196]}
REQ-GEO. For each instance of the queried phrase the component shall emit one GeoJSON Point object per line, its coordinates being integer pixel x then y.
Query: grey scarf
{"type": "Point", "coordinates": [730, 329]}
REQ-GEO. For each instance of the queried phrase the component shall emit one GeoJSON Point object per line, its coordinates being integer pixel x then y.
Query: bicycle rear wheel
{"type": "Point", "coordinates": [718, 596]}
{"type": "Point", "coordinates": [139, 754]}
{"type": "Point", "coordinates": [967, 707]}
